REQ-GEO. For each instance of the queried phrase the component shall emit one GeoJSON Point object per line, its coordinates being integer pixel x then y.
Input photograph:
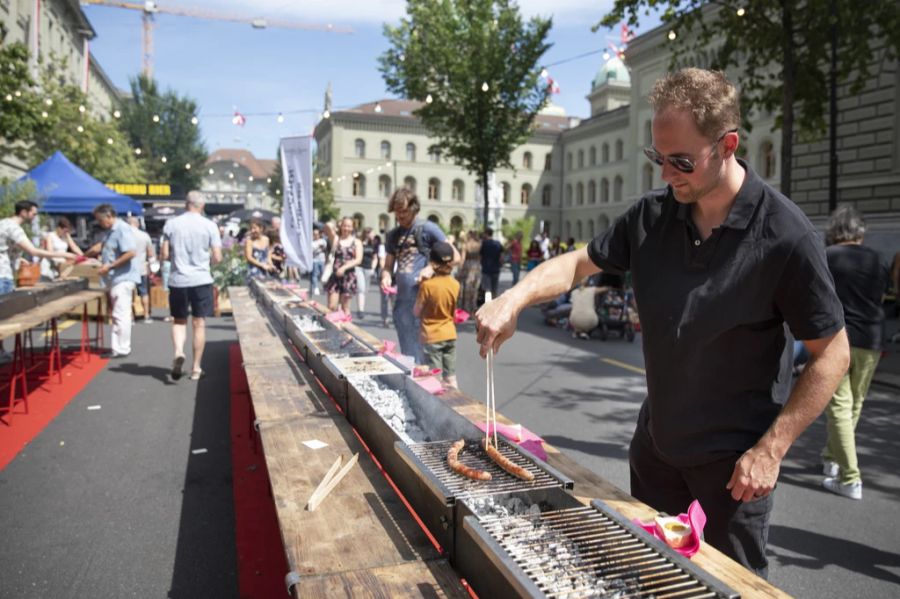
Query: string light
{"type": "Point", "coordinates": [194, 120]}
{"type": "Point", "coordinates": [81, 108]}
{"type": "Point", "coordinates": [231, 175]}
{"type": "Point", "coordinates": [429, 99]}
{"type": "Point", "coordinates": [544, 73]}
{"type": "Point", "coordinates": [137, 151]}
{"type": "Point", "coordinates": [212, 172]}
{"type": "Point", "coordinates": [672, 35]}
{"type": "Point", "coordinates": [741, 12]}
{"type": "Point", "coordinates": [44, 114]}
{"type": "Point", "coordinates": [164, 160]}
{"type": "Point", "coordinates": [280, 118]}
{"type": "Point", "coordinates": [485, 86]}
{"type": "Point", "coordinates": [187, 166]}
{"type": "Point", "coordinates": [326, 114]}
{"type": "Point", "coordinates": [109, 140]}
{"type": "Point", "coordinates": [18, 94]}
{"type": "Point", "coordinates": [377, 107]}
{"type": "Point", "coordinates": [48, 102]}
{"type": "Point", "coordinates": [250, 178]}
{"type": "Point", "coordinates": [9, 97]}
{"type": "Point", "coordinates": [605, 55]}
{"type": "Point", "coordinates": [268, 179]}
{"type": "Point", "coordinates": [155, 118]}
{"type": "Point", "coordinates": [80, 129]}
{"type": "Point", "coordinates": [117, 114]}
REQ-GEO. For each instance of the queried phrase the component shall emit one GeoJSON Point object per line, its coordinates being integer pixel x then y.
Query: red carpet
{"type": "Point", "coordinates": [262, 564]}
{"type": "Point", "coordinates": [46, 399]}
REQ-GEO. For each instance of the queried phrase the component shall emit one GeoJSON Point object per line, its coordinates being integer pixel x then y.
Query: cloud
{"type": "Point", "coordinates": [564, 12]}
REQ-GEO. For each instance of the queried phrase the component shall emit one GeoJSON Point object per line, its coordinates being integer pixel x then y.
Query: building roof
{"type": "Point", "coordinates": [260, 168]}
{"type": "Point", "coordinates": [552, 123]}
{"type": "Point", "coordinates": [613, 70]}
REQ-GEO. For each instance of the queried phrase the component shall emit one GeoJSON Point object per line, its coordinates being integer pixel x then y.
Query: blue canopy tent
{"type": "Point", "coordinates": [66, 189]}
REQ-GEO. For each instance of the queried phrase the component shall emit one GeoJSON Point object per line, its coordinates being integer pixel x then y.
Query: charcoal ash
{"type": "Point", "coordinates": [392, 405]}
{"type": "Point", "coordinates": [308, 324]}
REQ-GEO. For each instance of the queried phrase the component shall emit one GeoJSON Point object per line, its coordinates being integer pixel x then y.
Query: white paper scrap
{"type": "Point", "coordinates": [196, 451]}
{"type": "Point", "coordinates": [315, 444]}
{"type": "Point", "coordinates": [93, 407]}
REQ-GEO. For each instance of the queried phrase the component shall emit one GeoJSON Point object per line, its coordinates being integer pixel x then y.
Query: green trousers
{"type": "Point", "coordinates": [842, 413]}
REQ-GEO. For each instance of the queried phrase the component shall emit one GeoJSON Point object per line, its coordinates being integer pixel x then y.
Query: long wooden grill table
{"type": "Point", "coordinates": [361, 541]}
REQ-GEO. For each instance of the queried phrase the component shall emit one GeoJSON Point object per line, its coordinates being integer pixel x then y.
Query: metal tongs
{"type": "Point", "coordinates": [491, 403]}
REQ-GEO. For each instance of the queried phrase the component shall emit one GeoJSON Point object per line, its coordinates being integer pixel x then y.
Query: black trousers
{"type": "Point", "coordinates": [739, 530]}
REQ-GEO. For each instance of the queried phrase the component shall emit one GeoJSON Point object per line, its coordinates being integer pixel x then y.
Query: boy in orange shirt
{"type": "Point", "coordinates": [435, 306]}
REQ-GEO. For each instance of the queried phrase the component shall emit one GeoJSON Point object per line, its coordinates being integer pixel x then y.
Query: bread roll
{"type": "Point", "coordinates": [675, 532]}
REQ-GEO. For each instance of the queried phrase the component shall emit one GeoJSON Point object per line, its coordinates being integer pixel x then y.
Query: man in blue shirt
{"type": "Point", "coordinates": [119, 275]}
{"type": "Point", "coordinates": [408, 246]}
{"type": "Point", "coordinates": [491, 253]}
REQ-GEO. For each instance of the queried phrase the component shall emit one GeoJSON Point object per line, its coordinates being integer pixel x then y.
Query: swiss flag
{"type": "Point", "coordinates": [238, 119]}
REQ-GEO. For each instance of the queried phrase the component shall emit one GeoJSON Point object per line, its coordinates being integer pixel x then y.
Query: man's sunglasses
{"type": "Point", "coordinates": [681, 163]}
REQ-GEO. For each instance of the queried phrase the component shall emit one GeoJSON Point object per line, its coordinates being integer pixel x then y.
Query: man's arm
{"type": "Point", "coordinates": [164, 250]}
{"type": "Point", "coordinates": [757, 470]}
{"type": "Point", "coordinates": [496, 321]}
{"type": "Point", "coordinates": [26, 246]}
{"type": "Point", "coordinates": [216, 254]}
{"type": "Point", "coordinates": [122, 259]}
{"type": "Point", "coordinates": [387, 271]}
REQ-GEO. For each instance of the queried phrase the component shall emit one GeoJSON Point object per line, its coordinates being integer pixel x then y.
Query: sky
{"type": "Point", "coordinates": [228, 66]}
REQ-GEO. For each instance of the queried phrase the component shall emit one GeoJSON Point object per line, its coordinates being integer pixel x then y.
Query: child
{"type": "Point", "coordinates": [435, 306]}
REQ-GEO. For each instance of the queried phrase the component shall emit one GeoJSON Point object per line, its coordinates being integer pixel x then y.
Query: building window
{"type": "Point", "coordinates": [410, 184]}
{"type": "Point", "coordinates": [591, 233]}
{"type": "Point", "coordinates": [458, 191]}
{"type": "Point", "coordinates": [359, 221]}
{"type": "Point", "coordinates": [592, 156]}
{"type": "Point", "coordinates": [592, 192]}
{"type": "Point", "coordinates": [546, 195]}
{"type": "Point", "coordinates": [434, 189]}
{"type": "Point", "coordinates": [605, 153]}
{"type": "Point", "coordinates": [648, 177]}
{"type": "Point", "coordinates": [360, 148]}
{"type": "Point", "coordinates": [569, 161]}
{"type": "Point", "coordinates": [436, 219]}
{"type": "Point", "coordinates": [548, 161]}
{"type": "Point", "coordinates": [569, 194]}
{"type": "Point", "coordinates": [526, 193]}
{"type": "Point", "coordinates": [604, 191]}
{"type": "Point", "coordinates": [385, 150]}
{"type": "Point", "coordinates": [579, 193]}
{"type": "Point", "coordinates": [578, 230]}
{"type": "Point", "coordinates": [434, 155]}
{"type": "Point", "coordinates": [456, 224]}
{"type": "Point", "coordinates": [359, 185]}
{"type": "Point", "coordinates": [767, 159]}
{"type": "Point", "coordinates": [526, 161]}
{"type": "Point", "coordinates": [506, 192]}
{"type": "Point", "coordinates": [411, 152]}
{"type": "Point", "coordinates": [620, 150]}
{"type": "Point", "coordinates": [384, 221]}
{"type": "Point", "coordinates": [580, 158]}
{"type": "Point", "coordinates": [384, 186]}
{"type": "Point", "coordinates": [617, 189]}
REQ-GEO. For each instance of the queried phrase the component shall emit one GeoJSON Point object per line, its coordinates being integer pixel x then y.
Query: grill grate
{"type": "Point", "coordinates": [434, 457]}
{"type": "Point", "coordinates": [584, 552]}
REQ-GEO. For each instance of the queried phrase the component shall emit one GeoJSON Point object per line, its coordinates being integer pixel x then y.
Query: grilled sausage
{"type": "Point", "coordinates": [460, 468]}
{"type": "Point", "coordinates": [507, 464]}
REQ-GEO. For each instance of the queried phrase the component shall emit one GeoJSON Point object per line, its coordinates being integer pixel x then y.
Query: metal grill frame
{"type": "Point", "coordinates": [335, 379]}
{"type": "Point", "coordinates": [493, 572]}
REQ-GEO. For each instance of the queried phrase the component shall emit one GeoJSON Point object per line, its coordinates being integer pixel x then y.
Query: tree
{"type": "Point", "coordinates": [781, 48]}
{"type": "Point", "coordinates": [163, 127]}
{"type": "Point", "coordinates": [20, 105]}
{"type": "Point", "coordinates": [474, 64]}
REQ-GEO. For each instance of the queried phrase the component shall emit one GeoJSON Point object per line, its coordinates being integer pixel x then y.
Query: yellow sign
{"type": "Point", "coordinates": [141, 189]}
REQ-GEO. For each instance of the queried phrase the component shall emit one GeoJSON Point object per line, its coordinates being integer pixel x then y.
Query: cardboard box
{"type": "Point", "coordinates": [89, 271]}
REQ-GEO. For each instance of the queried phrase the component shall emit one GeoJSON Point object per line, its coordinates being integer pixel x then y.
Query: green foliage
{"type": "Point", "coordinates": [525, 225]}
{"type": "Point", "coordinates": [448, 50]}
{"type": "Point", "coordinates": [276, 183]}
{"type": "Point", "coordinates": [231, 271]}
{"type": "Point", "coordinates": [20, 106]}
{"type": "Point", "coordinates": [782, 50]}
{"type": "Point", "coordinates": [174, 136]}
{"type": "Point", "coordinates": [12, 192]}
{"type": "Point", "coordinates": [323, 195]}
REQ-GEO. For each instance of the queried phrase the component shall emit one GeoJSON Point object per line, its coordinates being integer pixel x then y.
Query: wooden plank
{"type": "Point", "coordinates": [285, 392]}
{"type": "Point", "coordinates": [363, 524]}
{"type": "Point", "coordinates": [41, 314]}
{"type": "Point", "coordinates": [262, 342]}
{"type": "Point", "coordinates": [432, 579]}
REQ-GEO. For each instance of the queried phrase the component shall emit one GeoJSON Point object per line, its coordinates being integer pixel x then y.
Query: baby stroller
{"type": "Point", "coordinates": [614, 312]}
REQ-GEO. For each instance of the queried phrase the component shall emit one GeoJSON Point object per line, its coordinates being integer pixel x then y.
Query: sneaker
{"type": "Point", "coordinates": [830, 469]}
{"type": "Point", "coordinates": [197, 375]}
{"type": "Point", "coordinates": [848, 490]}
{"type": "Point", "coordinates": [177, 368]}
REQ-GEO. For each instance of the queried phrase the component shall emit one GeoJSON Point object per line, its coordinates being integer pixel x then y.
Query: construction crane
{"type": "Point", "coordinates": [149, 9]}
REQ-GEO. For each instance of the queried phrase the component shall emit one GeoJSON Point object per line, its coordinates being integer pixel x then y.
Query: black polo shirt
{"type": "Point", "coordinates": [713, 312]}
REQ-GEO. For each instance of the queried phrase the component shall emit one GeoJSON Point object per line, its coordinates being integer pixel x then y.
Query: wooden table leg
{"type": "Point", "coordinates": [19, 373]}
{"type": "Point", "coordinates": [55, 356]}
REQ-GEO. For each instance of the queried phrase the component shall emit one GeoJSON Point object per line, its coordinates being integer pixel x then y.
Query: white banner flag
{"type": "Point", "coordinates": [297, 211]}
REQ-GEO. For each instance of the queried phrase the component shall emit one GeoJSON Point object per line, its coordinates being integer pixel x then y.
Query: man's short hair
{"type": "Point", "coordinates": [195, 199]}
{"type": "Point", "coordinates": [24, 205]}
{"type": "Point", "coordinates": [846, 224]}
{"type": "Point", "coordinates": [708, 96]}
{"type": "Point", "coordinates": [104, 210]}
{"type": "Point", "coordinates": [404, 198]}
{"type": "Point", "coordinates": [489, 231]}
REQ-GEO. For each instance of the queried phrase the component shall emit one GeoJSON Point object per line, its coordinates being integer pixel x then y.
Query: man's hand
{"type": "Point", "coordinates": [755, 474]}
{"type": "Point", "coordinates": [103, 270]}
{"type": "Point", "coordinates": [495, 322]}
{"type": "Point", "coordinates": [425, 274]}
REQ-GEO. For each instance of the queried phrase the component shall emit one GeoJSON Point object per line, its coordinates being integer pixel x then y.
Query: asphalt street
{"type": "Point", "coordinates": [115, 503]}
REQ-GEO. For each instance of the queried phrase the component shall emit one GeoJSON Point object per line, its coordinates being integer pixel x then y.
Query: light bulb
{"type": "Point", "coordinates": [377, 107]}
{"type": "Point", "coordinates": [164, 159]}
{"type": "Point", "coordinates": [155, 118]}
{"type": "Point", "coordinates": [429, 99]}
{"type": "Point", "coordinates": [109, 140]}
{"type": "Point", "coordinates": [9, 97]}
{"type": "Point", "coordinates": [672, 35]}
{"type": "Point", "coordinates": [485, 86]}
{"type": "Point", "coordinates": [187, 166]}
{"type": "Point", "coordinates": [268, 179]}
{"type": "Point", "coordinates": [212, 172]}
{"type": "Point", "coordinates": [194, 120]}
{"type": "Point", "coordinates": [80, 129]}
{"type": "Point", "coordinates": [81, 108]}
{"type": "Point", "coordinates": [280, 118]}
{"type": "Point", "coordinates": [544, 73]}
{"type": "Point", "coordinates": [44, 114]}
{"type": "Point", "coordinates": [250, 178]}
{"type": "Point", "coordinates": [137, 151]}
{"type": "Point", "coordinates": [117, 114]}
{"type": "Point", "coordinates": [741, 12]}
{"type": "Point", "coordinates": [326, 114]}
{"type": "Point", "coordinates": [48, 102]}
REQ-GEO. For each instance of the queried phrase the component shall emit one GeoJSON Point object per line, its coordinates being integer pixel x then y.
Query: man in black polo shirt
{"type": "Point", "coordinates": [720, 262]}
